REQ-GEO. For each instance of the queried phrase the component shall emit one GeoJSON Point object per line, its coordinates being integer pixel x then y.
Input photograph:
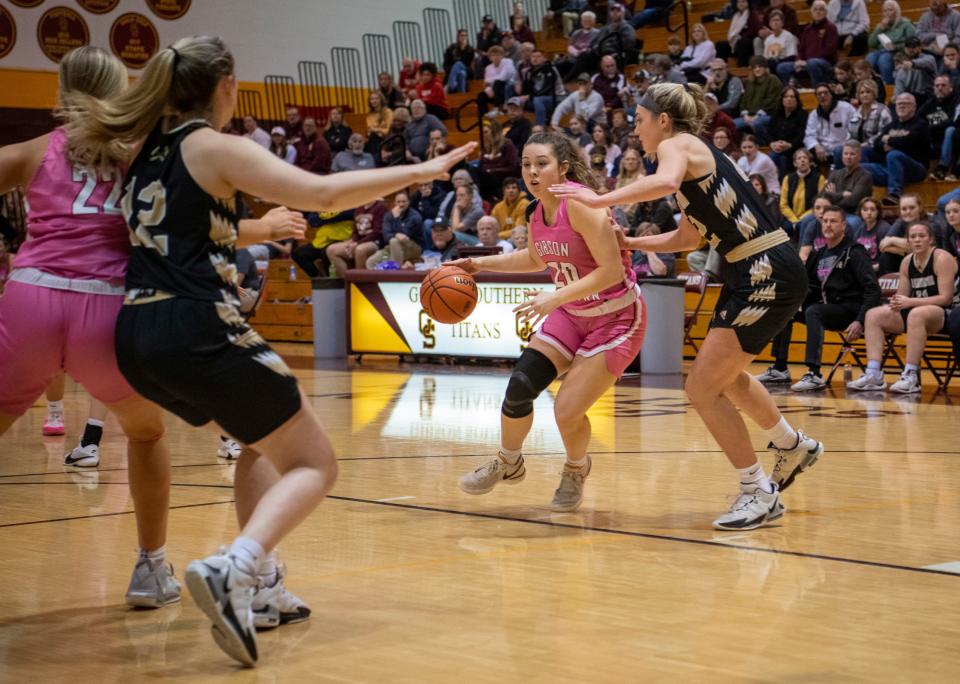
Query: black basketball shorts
{"type": "Point", "coordinates": [202, 362]}
{"type": "Point", "coordinates": [761, 294]}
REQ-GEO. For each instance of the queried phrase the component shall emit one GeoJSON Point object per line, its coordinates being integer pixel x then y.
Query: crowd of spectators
{"type": "Point", "coordinates": [816, 170]}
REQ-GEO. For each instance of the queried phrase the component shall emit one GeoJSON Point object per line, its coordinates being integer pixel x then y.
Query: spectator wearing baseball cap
{"type": "Point", "coordinates": [584, 102]}
{"type": "Point", "coordinates": [280, 147]}
{"type": "Point", "coordinates": [518, 127]}
{"type": "Point", "coordinates": [487, 37]}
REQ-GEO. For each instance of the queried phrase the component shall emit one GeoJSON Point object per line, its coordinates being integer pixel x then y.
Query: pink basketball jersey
{"type": "Point", "coordinates": [565, 252]}
{"type": "Point", "coordinates": [75, 226]}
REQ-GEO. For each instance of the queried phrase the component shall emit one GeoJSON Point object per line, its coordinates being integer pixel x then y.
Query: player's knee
{"type": "Point", "coordinates": [568, 415]}
{"type": "Point", "coordinates": [698, 389]}
{"type": "Point", "coordinates": [144, 434]}
{"type": "Point", "coordinates": [533, 373]}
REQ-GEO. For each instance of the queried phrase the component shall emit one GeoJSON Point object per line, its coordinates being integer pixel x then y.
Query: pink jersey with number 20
{"type": "Point", "coordinates": [75, 226]}
{"type": "Point", "coordinates": [567, 255]}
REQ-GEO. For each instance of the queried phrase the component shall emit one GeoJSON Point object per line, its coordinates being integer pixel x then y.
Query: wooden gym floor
{"type": "Point", "coordinates": [412, 581]}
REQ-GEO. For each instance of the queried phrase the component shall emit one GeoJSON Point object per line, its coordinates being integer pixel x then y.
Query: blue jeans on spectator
{"type": "Point", "coordinates": [457, 80]}
{"type": "Point", "coordinates": [899, 168]}
{"type": "Point", "coordinates": [946, 148]}
{"type": "Point", "coordinates": [647, 16]}
{"type": "Point", "coordinates": [819, 70]}
{"type": "Point", "coordinates": [854, 224]}
{"type": "Point", "coordinates": [543, 106]}
{"type": "Point", "coordinates": [467, 238]}
{"type": "Point", "coordinates": [942, 202]}
{"type": "Point", "coordinates": [882, 61]}
{"type": "Point", "coordinates": [807, 223]}
{"type": "Point", "coordinates": [428, 235]}
{"type": "Point", "coordinates": [782, 160]}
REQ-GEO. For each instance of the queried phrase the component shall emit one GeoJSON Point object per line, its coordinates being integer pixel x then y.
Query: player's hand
{"type": "Point", "coordinates": [438, 167]}
{"type": "Point", "coordinates": [539, 303]}
{"type": "Point", "coordinates": [584, 196]}
{"type": "Point", "coordinates": [898, 302]}
{"type": "Point", "coordinates": [854, 331]}
{"type": "Point", "coordinates": [469, 265]}
{"type": "Point", "coordinates": [284, 223]}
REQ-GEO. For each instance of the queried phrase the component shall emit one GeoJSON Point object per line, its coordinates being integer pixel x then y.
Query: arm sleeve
{"type": "Point", "coordinates": [810, 133]}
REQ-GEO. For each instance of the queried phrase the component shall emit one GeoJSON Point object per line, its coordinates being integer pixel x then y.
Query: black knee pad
{"type": "Point", "coordinates": [533, 373]}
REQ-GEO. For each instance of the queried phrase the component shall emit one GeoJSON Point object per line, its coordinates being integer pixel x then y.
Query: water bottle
{"type": "Point", "coordinates": [293, 272]}
{"type": "Point", "coordinates": [847, 374]}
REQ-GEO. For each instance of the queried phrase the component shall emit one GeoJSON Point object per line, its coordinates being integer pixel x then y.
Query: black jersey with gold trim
{"type": "Point", "coordinates": [183, 238]}
{"type": "Point", "coordinates": [723, 206]}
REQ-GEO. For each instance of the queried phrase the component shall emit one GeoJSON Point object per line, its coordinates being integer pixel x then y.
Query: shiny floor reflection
{"type": "Point", "coordinates": [411, 580]}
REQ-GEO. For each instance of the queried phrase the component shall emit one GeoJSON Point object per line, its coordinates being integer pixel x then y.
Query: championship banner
{"type": "Point", "coordinates": [386, 317]}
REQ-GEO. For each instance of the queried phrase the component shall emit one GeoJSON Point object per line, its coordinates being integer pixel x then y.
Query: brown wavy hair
{"type": "Point", "coordinates": [566, 151]}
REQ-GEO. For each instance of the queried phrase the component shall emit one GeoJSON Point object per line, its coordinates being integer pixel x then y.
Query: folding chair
{"type": "Point", "coordinates": [846, 349]}
{"type": "Point", "coordinates": [944, 375]}
{"type": "Point", "coordinates": [696, 282]}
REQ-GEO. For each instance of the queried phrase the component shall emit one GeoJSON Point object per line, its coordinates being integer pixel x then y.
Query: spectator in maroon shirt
{"type": "Point", "coordinates": [717, 119]}
{"type": "Point", "coordinates": [816, 49]}
{"type": "Point", "coordinates": [409, 77]}
{"type": "Point", "coordinates": [313, 152]}
{"type": "Point", "coordinates": [367, 230]}
{"type": "Point", "coordinates": [610, 83]}
{"type": "Point", "coordinates": [521, 30]}
{"type": "Point", "coordinates": [430, 90]}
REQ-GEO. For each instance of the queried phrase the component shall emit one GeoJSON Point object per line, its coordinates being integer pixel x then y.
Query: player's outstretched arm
{"type": "Point", "coordinates": [671, 168]}
{"type": "Point", "coordinates": [520, 261]}
{"type": "Point", "coordinates": [242, 164]}
{"type": "Point", "coordinates": [684, 238]}
{"type": "Point", "coordinates": [277, 224]}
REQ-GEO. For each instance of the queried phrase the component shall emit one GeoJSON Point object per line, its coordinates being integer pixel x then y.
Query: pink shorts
{"type": "Point", "coordinates": [617, 335]}
{"type": "Point", "coordinates": [44, 331]}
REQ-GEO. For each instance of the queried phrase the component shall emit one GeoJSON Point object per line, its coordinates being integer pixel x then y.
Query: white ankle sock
{"type": "Point", "coordinates": [874, 369]}
{"type": "Point", "coordinates": [509, 456]}
{"type": "Point", "coordinates": [55, 407]}
{"type": "Point", "coordinates": [782, 435]}
{"type": "Point", "coordinates": [246, 554]}
{"type": "Point", "coordinates": [911, 368]}
{"type": "Point", "coordinates": [754, 475]}
{"type": "Point", "coordinates": [155, 556]}
{"type": "Point", "coordinates": [267, 571]}
{"type": "Point", "coordinates": [577, 465]}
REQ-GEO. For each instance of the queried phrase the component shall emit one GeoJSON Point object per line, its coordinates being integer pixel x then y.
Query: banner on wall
{"type": "Point", "coordinates": [98, 6]}
{"type": "Point", "coordinates": [134, 39]}
{"type": "Point", "coordinates": [8, 32]}
{"type": "Point", "coordinates": [61, 30]}
{"type": "Point", "coordinates": [386, 317]}
{"type": "Point", "coordinates": [169, 9]}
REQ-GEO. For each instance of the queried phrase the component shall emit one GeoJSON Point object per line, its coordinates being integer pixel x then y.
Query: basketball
{"type": "Point", "coordinates": [448, 294]}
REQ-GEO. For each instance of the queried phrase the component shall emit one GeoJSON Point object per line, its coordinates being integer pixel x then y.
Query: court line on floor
{"type": "Point", "coordinates": [107, 515]}
{"type": "Point", "coordinates": [647, 535]}
{"type": "Point", "coordinates": [110, 470]}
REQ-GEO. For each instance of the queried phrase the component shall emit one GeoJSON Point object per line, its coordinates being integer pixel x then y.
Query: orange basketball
{"type": "Point", "coordinates": [448, 294]}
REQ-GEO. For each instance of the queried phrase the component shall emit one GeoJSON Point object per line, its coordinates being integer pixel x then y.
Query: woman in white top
{"type": "Point", "coordinates": [754, 161]}
{"type": "Point", "coordinates": [280, 147]}
{"type": "Point", "coordinates": [781, 45]}
{"type": "Point", "coordinates": [853, 24]}
{"type": "Point", "coordinates": [697, 55]}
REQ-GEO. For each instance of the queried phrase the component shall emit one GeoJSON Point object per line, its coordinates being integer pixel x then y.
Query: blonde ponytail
{"type": "Point", "coordinates": [177, 80]}
{"type": "Point", "coordinates": [684, 104]}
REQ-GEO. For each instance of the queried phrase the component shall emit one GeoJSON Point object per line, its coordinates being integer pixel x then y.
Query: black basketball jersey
{"type": "Point", "coordinates": [723, 206]}
{"type": "Point", "coordinates": [183, 238]}
{"type": "Point", "coordinates": [922, 283]}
